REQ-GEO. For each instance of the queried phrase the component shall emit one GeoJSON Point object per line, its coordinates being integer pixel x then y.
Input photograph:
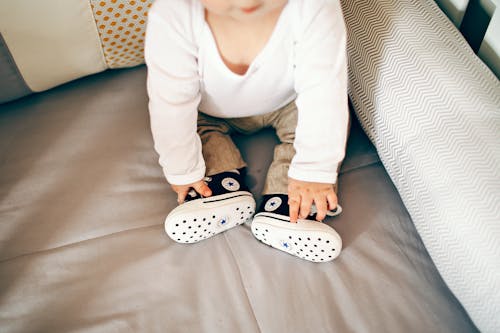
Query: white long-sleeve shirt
{"type": "Point", "coordinates": [304, 60]}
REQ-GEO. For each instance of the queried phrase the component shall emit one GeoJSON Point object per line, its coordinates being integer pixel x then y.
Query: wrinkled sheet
{"type": "Point", "coordinates": [82, 246]}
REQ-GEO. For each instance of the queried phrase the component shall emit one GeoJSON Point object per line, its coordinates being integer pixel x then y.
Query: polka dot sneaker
{"type": "Point", "coordinates": [307, 239]}
{"type": "Point", "coordinates": [199, 218]}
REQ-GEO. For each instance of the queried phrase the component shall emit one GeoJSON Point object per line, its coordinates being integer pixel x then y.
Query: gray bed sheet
{"type": "Point", "coordinates": [82, 246]}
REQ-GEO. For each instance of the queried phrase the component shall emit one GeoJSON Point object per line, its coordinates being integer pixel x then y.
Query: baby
{"type": "Point", "coordinates": [216, 67]}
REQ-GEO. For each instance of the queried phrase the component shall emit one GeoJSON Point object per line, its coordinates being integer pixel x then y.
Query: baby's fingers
{"type": "Point", "coordinates": [321, 208]}
{"type": "Point", "coordinates": [202, 188]}
{"type": "Point", "coordinates": [294, 205]}
{"type": "Point", "coordinates": [305, 207]}
{"type": "Point", "coordinates": [332, 200]}
{"type": "Point", "coordinates": [181, 194]}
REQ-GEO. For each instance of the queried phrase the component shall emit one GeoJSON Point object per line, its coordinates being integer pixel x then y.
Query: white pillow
{"type": "Point", "coordinates": [432, 109]}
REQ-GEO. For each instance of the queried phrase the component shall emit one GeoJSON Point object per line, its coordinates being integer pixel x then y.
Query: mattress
{"type": "Point", "coordinates": [82, 245]}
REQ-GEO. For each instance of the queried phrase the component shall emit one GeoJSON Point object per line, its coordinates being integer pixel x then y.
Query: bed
{"type": "Point", "coordinates": [82, 245]}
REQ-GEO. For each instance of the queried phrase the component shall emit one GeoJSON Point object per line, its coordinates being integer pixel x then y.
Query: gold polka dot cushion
{"type": "Point", "coordinates": [121, 26]}
{"type": "Point", "coordinates": [46, 43]}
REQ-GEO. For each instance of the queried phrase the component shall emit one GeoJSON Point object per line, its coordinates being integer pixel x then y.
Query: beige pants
{"type": "Point", "coordinates": [221, 154]}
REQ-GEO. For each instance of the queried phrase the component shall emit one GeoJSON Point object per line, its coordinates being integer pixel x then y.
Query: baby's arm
{"type": "Point", "coordinates": [321, 86]}
{"type": "Point", "coordinates": [302, 194]}
{"type": "Point", "coordinates": [174, 94]}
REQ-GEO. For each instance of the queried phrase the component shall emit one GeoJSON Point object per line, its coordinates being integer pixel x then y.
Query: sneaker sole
{"type": "Point", "coordinates": [203, 218]}
{"type": "Point", "coordinates": [310, 240]}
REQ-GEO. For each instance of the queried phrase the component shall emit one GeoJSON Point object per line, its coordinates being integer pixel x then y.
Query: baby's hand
{"type": "Point", "coordinates": [301, 195]}
{"type": "Point", "coordinates": [182, 190]}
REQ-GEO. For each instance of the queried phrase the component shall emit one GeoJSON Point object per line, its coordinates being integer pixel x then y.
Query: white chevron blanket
{"type": "Point", "coordinates": [432, 109]}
